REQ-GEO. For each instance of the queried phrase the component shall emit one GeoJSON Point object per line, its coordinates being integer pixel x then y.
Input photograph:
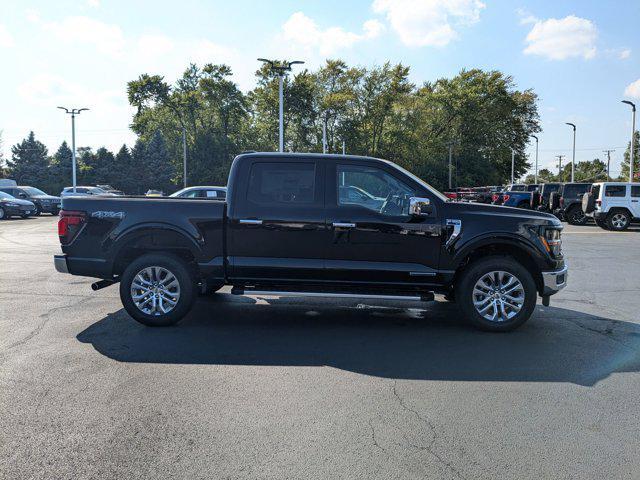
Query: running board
{"type": "Point", "coordinates": [427, 297]}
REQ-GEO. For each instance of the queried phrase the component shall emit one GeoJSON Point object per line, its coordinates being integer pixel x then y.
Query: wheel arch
{"type": "Point", "coordinates": [521, 251]}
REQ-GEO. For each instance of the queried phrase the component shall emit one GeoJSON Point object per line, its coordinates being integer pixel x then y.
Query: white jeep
{"type": "Point", "coordinates": [613, 205]}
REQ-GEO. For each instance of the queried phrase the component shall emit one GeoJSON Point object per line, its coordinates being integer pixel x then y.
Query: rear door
{"type": "Point", "coordinates": [635, 200]}
{"type": "Point", "coordinates": [277, 229]}
{"type": "Point", "coordinates": [373, 240]}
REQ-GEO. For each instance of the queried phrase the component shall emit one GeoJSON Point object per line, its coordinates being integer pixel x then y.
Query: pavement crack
{"type": "Point", "coordinates": [429, 448]}
{"type": "Point", "coordinates": [373, 437]}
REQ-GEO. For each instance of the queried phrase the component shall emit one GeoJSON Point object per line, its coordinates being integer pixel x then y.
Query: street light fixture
{"type": "Point", "coordinates": [73, 112]}
{"type": "Point", "coordinates": [536, 174]}
{"type": "Point", "coordinates": [633, 134]}
{"type": "Point", "coordinates": [281, 69]}
{"type": "Point", "coordinates": [573, 158]}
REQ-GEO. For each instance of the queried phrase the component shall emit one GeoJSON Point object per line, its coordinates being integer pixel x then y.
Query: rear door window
{"type": "Point", "coordinates": [635, 190]}
{"type": "Point", "coordinates": [615, 191]}
{"type": "Point", "coordinates": [282, 183]}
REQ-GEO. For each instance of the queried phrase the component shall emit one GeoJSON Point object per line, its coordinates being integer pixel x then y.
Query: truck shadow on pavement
{"type": "Point", "coordinates": [385, 339]}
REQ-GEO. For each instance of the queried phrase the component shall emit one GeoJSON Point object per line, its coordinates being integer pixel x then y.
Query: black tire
{"type": "Point", "coordinates": [618, 220]}
{"type": "Point", "coordinates": [602, 224]}
{"type": "Point", "coordinates": [37, 212]}
{"type": "Point", "coordinates": [25, 216]}
{"type": "Point", "coordinates": [474, 272]}
{"type": "Point", "coordinates": [536, 200]}
{"type": "Point", "coordinates": [55, 212]}
{"type": "Point", "coordinates": [174, 265]}
{"type": "Point", "coordinates": [3, 214]}
{"type": "Point", "coordinates": [575, 216]}
{"type": "Point", "coordinates": [554, 201]}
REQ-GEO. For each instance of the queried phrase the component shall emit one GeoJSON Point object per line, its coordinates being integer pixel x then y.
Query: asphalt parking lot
{"type": "Point", "coordinates": [265, 387]}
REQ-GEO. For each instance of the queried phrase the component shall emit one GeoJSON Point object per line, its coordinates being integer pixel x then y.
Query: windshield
{"type": "Point", "coordinates": [423, 183]}
{"type": "Point", "coordinates": [97, 191]}
{"type": "Point", "coordinates": [6, 196]}
{"type": "Point", "coordinates": [33, 191]}
{"type": "Point", "coordinates": [179, 192]}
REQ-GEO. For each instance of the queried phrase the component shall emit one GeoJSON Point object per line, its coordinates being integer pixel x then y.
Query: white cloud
{"type": "Point", "coordinates": [6, 39]}
{"type": "Point", "coordinates": [32, 15]}
{"type": "Point", "coordinates": [558, 39]}
{"type": "Point", "coordinates": [304, 31]}
{"type": "Point", "coordinates": [624, 53]}
{"type": "Point", "coordinates": [633, 89]}
{"type": "Point", "coordinates": [421, 23]}
{"type": "Point", "coordinates": [526, 16]}
{"type": "Point", "coordinates": [93, 3]}
{"type": "Point", "coordinates": [154, 45]}
{"type": "Point", "coordinates": [107, 38]}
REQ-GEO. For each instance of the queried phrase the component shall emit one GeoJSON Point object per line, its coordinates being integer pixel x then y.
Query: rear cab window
{"type": "Point", "coordinates": [282, 183]}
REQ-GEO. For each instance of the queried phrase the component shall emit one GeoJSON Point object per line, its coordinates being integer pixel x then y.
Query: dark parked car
{"type": "Point", "coordinates": [11, 206]}
{"type": "Point", "coordinates": [43, 202]}
{"type": "Point", "coordinates": [567, 203]}
{"type": "Point", "coordinates": [285, 229]}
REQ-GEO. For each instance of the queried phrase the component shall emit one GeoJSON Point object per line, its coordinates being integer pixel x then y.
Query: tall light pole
{"type": "Point", "coordinates": [184, 157]}
{"type": "Point", "coordinates": [633, 134]}
{"type": "Point", "coordinates": [573, 158]}
{"type": "Point", "coordinates": [73, 112]}
{"type": "Point", "coordinates": [536, 174]}
{"type": "Point", "coordinates": [513, 165]}
{"type": "Point", "coordinates": [281, 69]}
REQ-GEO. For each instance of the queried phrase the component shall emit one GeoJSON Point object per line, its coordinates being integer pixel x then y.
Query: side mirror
{"type": "Point", "coordinates": [419, 207]}
{"type": "Point", "coordinates": [22, 195]}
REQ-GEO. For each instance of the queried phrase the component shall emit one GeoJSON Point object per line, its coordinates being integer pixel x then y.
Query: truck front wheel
{"type": "Point", "coordinates": [157, 289]}
{"type": "Point", "coordinates": [496, 294]}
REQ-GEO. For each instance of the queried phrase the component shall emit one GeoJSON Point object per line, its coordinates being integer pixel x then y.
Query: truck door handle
{"type": "Point", "coordinates": [344, 225]}
{"type": "Point", "coordinates": [250, 221]}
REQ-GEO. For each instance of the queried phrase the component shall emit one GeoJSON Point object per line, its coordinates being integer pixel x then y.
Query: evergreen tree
{"type": "Point", "coordinates": [158, 165]}
{"type": "Point", "coordinates": [123, 174]}
{"type": "Point", "coordinates": [104, 162]}
{"type": "Point", "coordinates": [624, 167]}
{"type": "Point", "coordinates": [139, 172]}
{"type": "Point", "coordinates": [60, 169]}
{"type": "Point", "coordinates": [29, 162]}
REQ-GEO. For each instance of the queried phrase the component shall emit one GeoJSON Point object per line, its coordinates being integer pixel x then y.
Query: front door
{"type": "Point", "coordinates": [373, 238]}
{"type": "Point", "coordinates": [277, 230]}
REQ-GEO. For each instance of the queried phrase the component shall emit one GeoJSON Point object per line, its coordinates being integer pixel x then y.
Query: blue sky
{"type": "Point", "coordinates": [581, 57]}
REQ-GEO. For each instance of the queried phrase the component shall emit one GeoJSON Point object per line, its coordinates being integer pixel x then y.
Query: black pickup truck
{"type": "Point", "coordinates": [310, 224]}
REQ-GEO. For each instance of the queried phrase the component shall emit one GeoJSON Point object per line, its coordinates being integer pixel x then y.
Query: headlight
{"type": "Point", "coordinates": [552, 241]}
{"type": "Point", "coordinates": [12, 205]}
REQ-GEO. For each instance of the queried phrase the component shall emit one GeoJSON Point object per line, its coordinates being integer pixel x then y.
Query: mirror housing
{"type": "Point", "coordinates": [420, 207]}
{"type": "Point", "coordinates": [22, 195]}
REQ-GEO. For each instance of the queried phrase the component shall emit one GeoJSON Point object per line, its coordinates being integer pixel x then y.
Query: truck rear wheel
{"type": "Point", "coordinates": [496, 294]}
{"type": "Point", "coordinates": [157, 289]}
{"type": "Point", "coordinates": [618, 220]}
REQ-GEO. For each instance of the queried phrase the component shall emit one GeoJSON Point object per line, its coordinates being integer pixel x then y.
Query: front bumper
{"type": "Point", "coordinates": [18, 211]}
{"type": "Point", "coordinates": [60, 262]}
{"type": "Point", "coordinates": [49, 207]}
{"type": "Point", "coordinates": [555, 281]}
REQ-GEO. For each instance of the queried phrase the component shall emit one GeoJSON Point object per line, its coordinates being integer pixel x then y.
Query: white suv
{"type": "Point", "coordinates": [613, 205]}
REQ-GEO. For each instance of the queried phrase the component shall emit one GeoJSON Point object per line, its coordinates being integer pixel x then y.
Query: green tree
{"type": "Point", "coordinates": [29, 162]}
{"type": "Point", "coordinates": [139, 173]}
{"type": "Point", "coordinates": [60, 169]}
{"type": "Point", "coordinates": [624, 166]}
{"type": "Point", "coordinates": [160, 171]}
{"type": "Point", "coordinates": [123, 176]}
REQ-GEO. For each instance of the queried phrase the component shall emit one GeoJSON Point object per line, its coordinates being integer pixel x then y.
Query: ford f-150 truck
{"type": "Point", "coordinates": [311, 224]}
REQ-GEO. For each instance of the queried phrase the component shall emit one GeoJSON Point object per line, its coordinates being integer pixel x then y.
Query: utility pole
{"type": "Point", "coordinates": [536, 174]}
{"type": "Point", "coordinates": [633, 134]}
{"type": "Point", "coordinates": [513, 165]}
{"type": "Point", "coordinates": [608, 152]}
{"type": "Point", "coordinates": [281, 69]}
{"type": "Point", "coordinates": [450, 166]}
{"type": "Point", "coordinates": [73, 112]}
{"type": "Point", "coordinates": [184, 156]}
{"type": "Point", "coordinates": [573, 159]}
{"type": "Point", "coordinates": [560, 157]}
{"type": "Point", "coordinates": [324, 133]}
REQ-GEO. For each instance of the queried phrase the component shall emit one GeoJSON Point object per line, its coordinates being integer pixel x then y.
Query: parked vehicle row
{"type": "Point", "coordinates": [42, 202]}
{"type": "Point", "coordinates": [11, 206]}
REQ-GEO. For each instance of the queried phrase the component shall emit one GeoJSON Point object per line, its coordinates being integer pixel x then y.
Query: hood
{"type": "Point", "coordinates": [500, 211]}
{"type": "Point", "coordinates": [45, 197]}
{"type": "Point", "coordinates": [17, 201]}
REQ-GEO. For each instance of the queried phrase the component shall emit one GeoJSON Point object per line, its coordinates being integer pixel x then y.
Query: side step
{"type": "Point", "coordinates": [426, 297]}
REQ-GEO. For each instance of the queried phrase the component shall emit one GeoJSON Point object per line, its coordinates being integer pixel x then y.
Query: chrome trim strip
{"type": "Point", "coordinates": [344, 225]}
{"type": "Point", "coordinates": [457, 228]}
{"type": "Point", "coordinates": [250, 221]}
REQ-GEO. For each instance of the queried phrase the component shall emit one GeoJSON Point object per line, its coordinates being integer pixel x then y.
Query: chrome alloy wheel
{"type": "Point", "coordinates": [619, 220]}
{"type": "Point", "coordinates": [498, 296]}
{"type": "Point", "coordinates": [155, 291]}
